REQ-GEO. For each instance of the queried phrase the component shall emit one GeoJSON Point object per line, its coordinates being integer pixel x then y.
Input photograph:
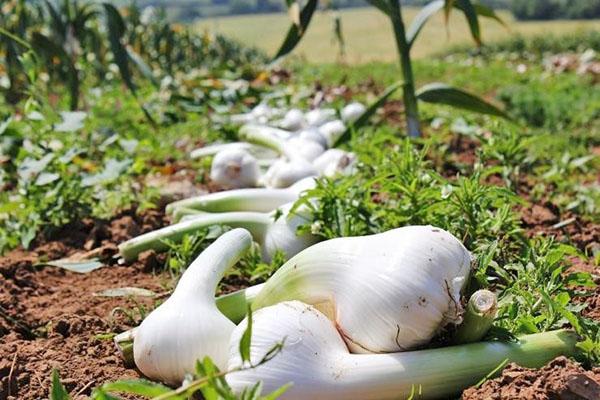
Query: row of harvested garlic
{"type": "Point", "coordinates": [300, 146]}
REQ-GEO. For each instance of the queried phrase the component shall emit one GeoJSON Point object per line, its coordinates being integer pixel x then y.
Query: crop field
{"type": "Point", "coordinates": [181, 219]}
{"type": "Point", "coordinates": [366, 32]}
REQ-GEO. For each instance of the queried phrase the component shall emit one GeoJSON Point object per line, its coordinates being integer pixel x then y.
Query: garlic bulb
{"type": "Point", "coordinates": [314, 135]}
{"type": "Point", "coordinates": [387, 292]}
{"type": "Point", "coordinates": [332, 131]}
{"type": "Point", "coordinates": [188, 326]}
{"type": "Point", "coordinates": [234, 168]}
{"type": "Point", "coordinates": [353, 111]}
{"type": "Point", "coordinates": [335, 162]}
{"type": "Point", "coordinates": [306, 149]}
{"type": "Point", "coordinates": [284, 173]}
{"type": "Point", "coordinates": [315, 360]}
{"type": "Point", "coordinates": [293, 120]}
{"type": "Point", "coordinates": [319, 116]}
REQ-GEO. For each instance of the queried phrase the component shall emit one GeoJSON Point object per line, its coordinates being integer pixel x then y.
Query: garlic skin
{"type": "Point", "coordinates": [293, 120]}
{"type": "Point", "coordinates": [335, 162]}
{"type": "Point", "coordinates": [353, 111]}
{"type": "Point", "coordinates": [284, 173]}
{"type": "Point", "coordinates": [282, 234]}
{"type": "Point", "coordinates": [319, 116]}
{"type": "Point", "coordinates": [314, 135]}
{"type": "Point", "coordinates": [306, 149]}
{"type": "Point", "coordinates": [387, 292]}
{"type": "Point", "coordinates": [332, 131]}
{"type": "Point", "coordinates": [315, 360]}
{"type": "Point", "coordinates": [234, 169]}
{"type": "Point", "coordinates": [188, 326]}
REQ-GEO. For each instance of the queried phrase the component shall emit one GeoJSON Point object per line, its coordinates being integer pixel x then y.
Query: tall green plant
{"type": "Point", "coordinates": [405, 39]}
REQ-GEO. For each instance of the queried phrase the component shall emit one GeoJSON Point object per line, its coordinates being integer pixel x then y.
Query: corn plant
{"type": "Point", "coordinates": [405, 38]}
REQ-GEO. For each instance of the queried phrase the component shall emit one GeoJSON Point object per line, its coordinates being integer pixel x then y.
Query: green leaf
{"type": "Point", "coordinates": [430, 9]}
{"type": "Point", "coordinates": [115, 26]}
{"type": "Point", "coordinates": [381, 5]}
{"type": "Point", "coordinates": [487, 12]}
{"type": "Point", "coordinates": [448, 4]}
{"type": "Point", "coordinates": [277, 393]}
{"type": "Point", "coordinates": [246, 339]}
{"type": "Point", "coordinates": [364, 118]}
{"type": "Point", "coordinates": [58, 391]}
{"type": "Point", "coordinates": [295, 32]}
{"type": "Point", "coordinates": [144, 69]}
{"type": "Point", "coordinates": [81, 267]}
{"type": "Point", "coordinates": [441, 93]}
{"type": "Point", "coordinates": [471, 15]}
{"type": "Point", "coordinates": [421, 18]}
{"type": "Point", "coordinates": [141, 387]}
{"type": "Point", "coordinates": [44, 45]}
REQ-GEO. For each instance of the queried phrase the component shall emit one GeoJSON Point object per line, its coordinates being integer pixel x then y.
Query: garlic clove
{"type": "Point", "coordinates": [332, 131]}
{"type": "Point", "coordinates": [353, 111]}
{"type": "Point", "coordinates": [235, 168]}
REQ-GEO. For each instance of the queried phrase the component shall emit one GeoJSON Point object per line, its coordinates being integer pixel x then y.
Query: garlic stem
{"type": "Point", "coordinates": [261, 200]}
{"type": "Point", "coordinates": [479, 317]}
{"type": "Point", "coordinates": [266, 136]}
{"type": "Point", "coordinates": [315, 359]}
{"type": "Point", "coordinates": [235, 305]}
{"type": "Point", "coordinates": [124, 343]}
{"type": "Point", "coordinates": [256, 223]}
{"type": "Point", "coordinates": [188, 326]}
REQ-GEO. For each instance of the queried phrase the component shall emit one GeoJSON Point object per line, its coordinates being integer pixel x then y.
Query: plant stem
{"type": "Point", "coordinates": [478, 318]}
{"type": "Point", "coordinates": [256, 223]}
{"type": "Point", "coordinates": [410, 100]}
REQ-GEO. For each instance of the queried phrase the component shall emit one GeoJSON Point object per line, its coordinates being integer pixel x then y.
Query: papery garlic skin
{"type": "Point", "coordinates": [335, 162]}
{"type": "Point", "coordinates": [293, 120]}
{"type": "Point", "coordinates": [188, 326]}
{"type": "Point", "coordinates": [314, 135]}
{"type": "Point", "coordinates": [387, 292]}
{"type": "Point", "coordinates": [315, 361]}
{"type": "Point", "coordinates": [234, 169]}
{"type": "Point", "coordinates": [319, 116]}
{"type": "Point", "coordinates": [353, 111]}
{"type": "Point", "coordinates": [284, 173]}
{"type": "Point", "coordinates": [332, 131]}
{"type": "Point", "coordinates": [305, 149]}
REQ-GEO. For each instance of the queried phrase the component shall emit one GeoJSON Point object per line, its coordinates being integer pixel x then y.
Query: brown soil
{"type": "Point", "coordinates": [560, 379]}
{"type": "Point", "coordinates": [51, 318]}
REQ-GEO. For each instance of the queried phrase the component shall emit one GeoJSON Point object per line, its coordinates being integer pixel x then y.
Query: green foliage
{"type": "Point", "coordinates": [552, 103]}
{"type": "Point", "coordinates": [536, 46]}
{"type": "Point", "coordinates": [555, 9]}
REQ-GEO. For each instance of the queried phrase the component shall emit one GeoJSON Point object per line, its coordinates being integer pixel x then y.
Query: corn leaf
{"type": "Point", "coordinates": [295, 32]}
{"type": "Point", "coordinates": [471, 15]}
{"type": "Point", "coordinates": [430, 9]}
{"type": "Point", "coordinates": [421, 18]}
{"type": "Point", "coordinates": [115, 27]}
{"type": "Point", "coordinates": [441, 93]}
{"type": "Point", "coordinates": [44, 45]}
{"type": "Point", "coordinates": [381, 5]}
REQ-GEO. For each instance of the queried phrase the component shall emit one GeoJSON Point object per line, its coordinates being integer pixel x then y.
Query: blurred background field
{"type": "Point", "coordinates": [367, 31]}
